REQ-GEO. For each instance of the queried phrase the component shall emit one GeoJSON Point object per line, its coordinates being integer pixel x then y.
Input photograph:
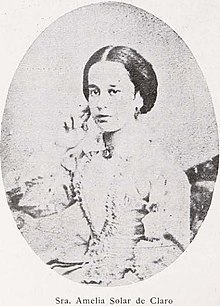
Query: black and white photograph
{"type": "Point", "coordinates": [109, 145]}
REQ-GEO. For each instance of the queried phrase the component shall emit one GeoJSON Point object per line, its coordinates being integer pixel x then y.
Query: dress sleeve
{"type": "Point", "coordinates": [166, 191]}
{"type": "Point", "coordinates": [168, 220]}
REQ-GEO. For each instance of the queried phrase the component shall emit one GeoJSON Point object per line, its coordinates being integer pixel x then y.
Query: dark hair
{"type": "Point", "coordinates": [140, 71]}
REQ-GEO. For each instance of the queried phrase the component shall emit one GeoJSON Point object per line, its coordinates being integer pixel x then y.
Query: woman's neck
{"type": "Point", "coordinates": [120, 138]}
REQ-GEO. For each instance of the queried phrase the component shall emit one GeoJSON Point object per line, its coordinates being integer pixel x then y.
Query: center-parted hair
{"type": "Point", "coordinates": [140, 71]}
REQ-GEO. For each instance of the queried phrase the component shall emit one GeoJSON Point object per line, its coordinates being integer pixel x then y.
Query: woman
{"type": "Point", "coordinates": [135, 199]}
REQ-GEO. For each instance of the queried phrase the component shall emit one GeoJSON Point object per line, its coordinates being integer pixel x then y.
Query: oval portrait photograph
{"type": "Point", "coordinates": [109, 148]}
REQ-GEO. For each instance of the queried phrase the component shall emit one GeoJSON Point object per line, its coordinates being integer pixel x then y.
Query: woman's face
{"type": "Point", "coordinates": [111, 95]}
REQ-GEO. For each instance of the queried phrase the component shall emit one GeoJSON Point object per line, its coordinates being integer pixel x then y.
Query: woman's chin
{"type": "Point", "coordinates": [108, 128]}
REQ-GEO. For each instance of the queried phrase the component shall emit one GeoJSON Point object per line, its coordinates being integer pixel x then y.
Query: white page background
{"type": "Point", "coordinates": [194, 278]}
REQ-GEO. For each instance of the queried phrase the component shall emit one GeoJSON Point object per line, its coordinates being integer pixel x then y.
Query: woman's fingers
{"type": "Point", "coordinates": [85, 113]}
{"type": "Point", "coordinates": [69, 126]}
{"type": "Point", "coordinates": [66, 127]}
{"type": "Point", "coordinates": [72, 122]}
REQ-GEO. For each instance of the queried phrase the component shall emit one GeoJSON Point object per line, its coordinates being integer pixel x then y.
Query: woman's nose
{"type": "Point", "coordinates": [99, 108]}
{"type": "Point", "coordinates": [101, 104]}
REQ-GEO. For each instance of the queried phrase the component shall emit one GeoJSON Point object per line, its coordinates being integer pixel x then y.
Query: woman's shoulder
{"type": "Point", "coordinates": [155, 164]}
{"type": "Point", "coordinates": [151, 153]}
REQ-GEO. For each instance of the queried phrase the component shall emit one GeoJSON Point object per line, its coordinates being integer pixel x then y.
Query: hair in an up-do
{"type": "Point", "coordinates": [140, 71]}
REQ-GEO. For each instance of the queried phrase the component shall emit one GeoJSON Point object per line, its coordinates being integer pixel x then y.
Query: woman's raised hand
{"type": "Point", "coordinates": [69, 125]}
{"type": "Point", "coordinates": [69, 135]}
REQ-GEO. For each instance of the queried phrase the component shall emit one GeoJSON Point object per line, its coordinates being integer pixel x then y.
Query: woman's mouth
{"type": "Point", "coordinates": [101, 118]}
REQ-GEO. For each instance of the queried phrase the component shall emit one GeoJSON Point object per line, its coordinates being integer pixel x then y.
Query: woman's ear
{"type": "Point", "coordinates": [138, 100]}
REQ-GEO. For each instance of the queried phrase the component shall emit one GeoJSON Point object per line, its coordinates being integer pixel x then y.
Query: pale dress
{"type": "Point", "coordinates": [136, 205]}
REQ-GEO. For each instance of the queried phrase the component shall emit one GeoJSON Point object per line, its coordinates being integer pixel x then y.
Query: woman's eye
{"type": "Point", "coordinates": [113, 92]}
{"type": "Point", "coordinates": [94, 92]}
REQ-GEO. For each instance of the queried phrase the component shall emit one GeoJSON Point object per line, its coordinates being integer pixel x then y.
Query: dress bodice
{"type": "Point", "coordinates": [137, 196]}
